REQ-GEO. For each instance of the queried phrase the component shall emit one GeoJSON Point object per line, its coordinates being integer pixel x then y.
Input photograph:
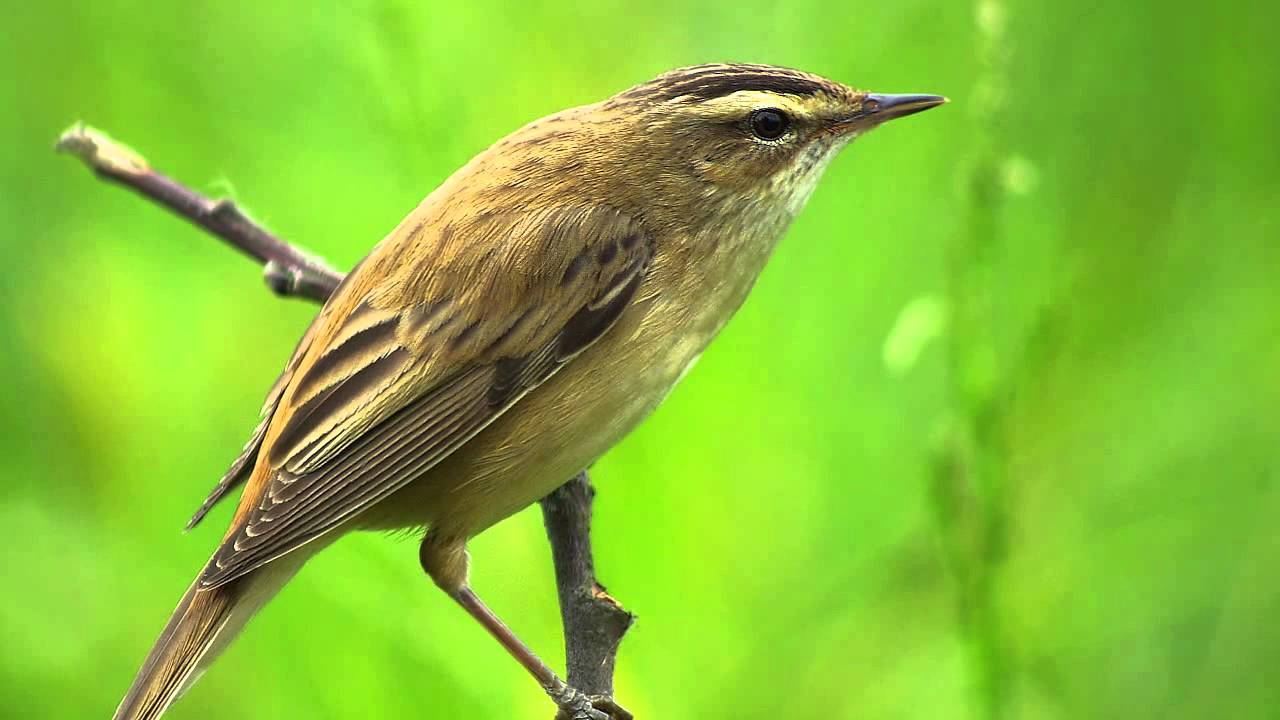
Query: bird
{"type": "Point", "coordinates": [519, 322]}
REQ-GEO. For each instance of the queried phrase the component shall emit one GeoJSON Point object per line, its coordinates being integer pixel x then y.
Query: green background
{"type": "Point", "coordinates": [995, 436]}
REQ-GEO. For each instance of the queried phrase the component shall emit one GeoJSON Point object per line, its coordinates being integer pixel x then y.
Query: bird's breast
{"type": "Point", "coordinates": [568, 422]}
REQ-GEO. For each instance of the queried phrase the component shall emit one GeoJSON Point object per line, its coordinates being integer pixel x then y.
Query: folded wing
{"type": "Point", "coordinates": [429, 356]}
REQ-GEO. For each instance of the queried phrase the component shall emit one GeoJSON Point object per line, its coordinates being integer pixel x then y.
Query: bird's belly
{"type": "Point", "coordinates": [564, 425]}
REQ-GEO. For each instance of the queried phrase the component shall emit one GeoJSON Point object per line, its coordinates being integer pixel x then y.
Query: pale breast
{"type": "Point", "coordinates": [567, 423]}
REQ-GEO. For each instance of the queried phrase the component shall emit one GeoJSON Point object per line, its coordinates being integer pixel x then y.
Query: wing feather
{"type": "Point", "coordinates": [244, 463]}
{"type": "Point", "coordinates": [242, 466]}
{"type": "Point", "coordinates": [383, 402]}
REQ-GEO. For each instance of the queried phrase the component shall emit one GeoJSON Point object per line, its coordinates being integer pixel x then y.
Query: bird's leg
{"type": "Point", "coordinates": [445, 560]}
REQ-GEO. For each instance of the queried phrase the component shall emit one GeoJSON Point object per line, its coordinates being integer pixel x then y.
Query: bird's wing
{"type": "Point", "coordinates": [243, 465]}
{"type": "Point", "coordinates": [395, 387]}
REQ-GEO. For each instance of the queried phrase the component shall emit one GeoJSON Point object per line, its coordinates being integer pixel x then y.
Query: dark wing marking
{"type": "Point", "coordinates": [239, 471]}
{"type": "Point", "coordinates": [328, 467]}
{"type": "Point", "coordinates": [242, 466]}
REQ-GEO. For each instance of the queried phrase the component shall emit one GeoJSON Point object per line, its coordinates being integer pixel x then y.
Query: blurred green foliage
{"type": "Point", "coordinates": [995, 437]}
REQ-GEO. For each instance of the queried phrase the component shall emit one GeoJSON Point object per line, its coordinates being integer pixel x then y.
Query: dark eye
{"type": "Point", "coordinates": [769, 124]}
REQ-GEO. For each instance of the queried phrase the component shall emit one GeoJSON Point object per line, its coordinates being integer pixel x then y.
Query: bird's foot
{"type": "Point", "coordinates": [575, 705]}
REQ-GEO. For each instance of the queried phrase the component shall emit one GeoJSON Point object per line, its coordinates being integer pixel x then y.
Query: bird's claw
{"type": "Point", "coordinates": [610, 707]}
{"type": "Point", "coordinates": [575, 705]}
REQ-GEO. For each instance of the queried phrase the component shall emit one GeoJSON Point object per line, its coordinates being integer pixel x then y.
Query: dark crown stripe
{"type": "Point", "coordinates": [704, 82]}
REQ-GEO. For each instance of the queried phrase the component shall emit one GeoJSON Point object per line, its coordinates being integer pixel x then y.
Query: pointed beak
{"type": "Point", "coordinates": [877, 109]}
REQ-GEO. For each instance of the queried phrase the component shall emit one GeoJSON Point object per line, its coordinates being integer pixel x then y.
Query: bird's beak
{"type": "Point", "coordinates": [877, 109]}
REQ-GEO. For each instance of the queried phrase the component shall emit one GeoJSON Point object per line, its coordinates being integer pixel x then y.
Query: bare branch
{"type": "Point", "coordinates": [594, 623]}
{"type": "Point", "coordinates": [287, 270]}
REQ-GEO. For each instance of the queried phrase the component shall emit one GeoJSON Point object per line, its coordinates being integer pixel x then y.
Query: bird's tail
{"type": "Point", "coordinates": [202, 626]}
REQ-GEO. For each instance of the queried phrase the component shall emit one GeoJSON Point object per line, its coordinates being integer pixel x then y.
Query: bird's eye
{"type": "Point", "coordinates": [769, 123]}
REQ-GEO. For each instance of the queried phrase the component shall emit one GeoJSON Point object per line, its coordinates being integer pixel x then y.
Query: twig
{"type": "Point", "coordinates": [287, 270]}
{"type": "Point", "coordinates": [594, 622]}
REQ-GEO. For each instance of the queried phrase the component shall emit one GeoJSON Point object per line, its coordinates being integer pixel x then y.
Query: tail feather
{"type": "Point", "coordinates": [197, 621]}
{"type": "Point", "coordinates": [204, 623]}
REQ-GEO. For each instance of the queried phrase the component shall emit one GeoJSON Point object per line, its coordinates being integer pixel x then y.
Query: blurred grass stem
{"type": "Point", "coordinates": [970, 488]}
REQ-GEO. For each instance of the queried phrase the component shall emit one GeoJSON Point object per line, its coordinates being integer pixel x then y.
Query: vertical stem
{"type": "Point", "coordinates": [970, 479]}
{"type": "Point", "coordinates": [593, 619]}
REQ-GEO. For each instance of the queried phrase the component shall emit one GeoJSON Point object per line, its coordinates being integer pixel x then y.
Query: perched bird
{"type": "Point", "coordinates": [516, 325]}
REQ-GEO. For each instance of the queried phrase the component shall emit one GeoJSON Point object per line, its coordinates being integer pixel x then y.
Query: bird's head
{"type": "Point", "coordinates": [734, 147]}
{"type": "Point", "coordinates": [757, 133]}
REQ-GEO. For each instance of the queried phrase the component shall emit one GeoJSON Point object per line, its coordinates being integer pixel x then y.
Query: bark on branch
{"type": "Point", "coordinates": [594, 622]}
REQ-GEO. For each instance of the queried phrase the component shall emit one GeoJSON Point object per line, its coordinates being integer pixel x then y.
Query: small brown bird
{"type": "Point", "coordinates": [516, 325]}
